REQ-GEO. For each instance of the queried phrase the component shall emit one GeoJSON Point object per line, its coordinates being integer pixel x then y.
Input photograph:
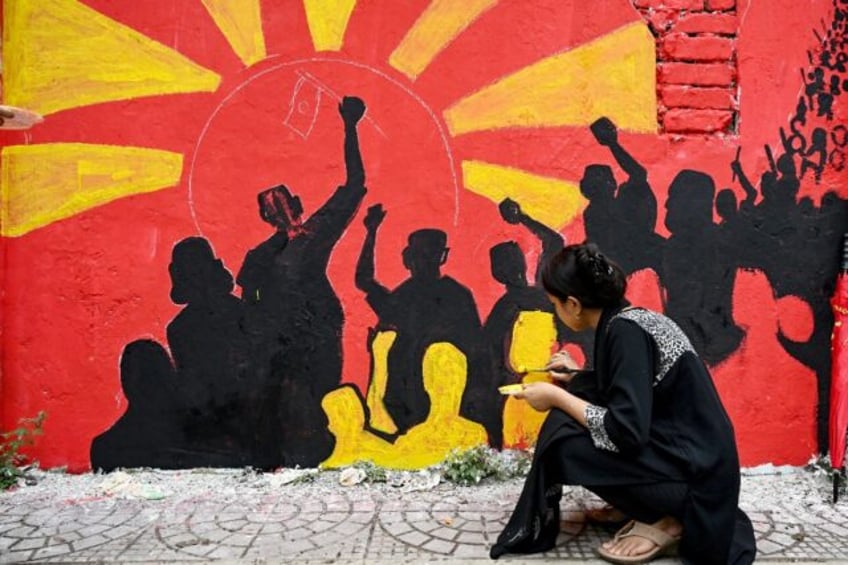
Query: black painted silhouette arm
{"type": "Point", "coordinates": [606, 133]}
{"type": "Point", "coordinates": [365, 278]}
{"type": "Point", "coordinates": [552, 241]}
{"type": "Point", "coordinates": [352, 109]}
{"type": "Point", "coordinates": [744, 181]}
{"type": "Point", "coordinates": [328, 223]}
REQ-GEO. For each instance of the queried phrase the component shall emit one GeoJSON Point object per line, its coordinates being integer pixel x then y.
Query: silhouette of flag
{"type": "Point", "coordinates": [303, 107]}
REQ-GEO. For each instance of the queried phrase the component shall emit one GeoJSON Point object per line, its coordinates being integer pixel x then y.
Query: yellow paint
{"type": "Point", "coordinates": [438, 26]}
{"type": "Point", "coordinates": [327, 21]}
{"type": "Point", "coordinates": [613, 76]}
{"type": "Point", "coordinates": [347, 423]}
{"type": "Point", "coordinates": [40, 184]}
{"type": "Point", "coordinates": [445, 374]}
{"type": "Point", "coordinates": [533, 338]}
{"type": "Point", "coordinates": [380, 418]}
{"type": "Point", "coordinates": [61, 54]}
{"type": "Point", "coordinates": [551, 201]}
{"type": "Point", "coordinates": [241, 23]}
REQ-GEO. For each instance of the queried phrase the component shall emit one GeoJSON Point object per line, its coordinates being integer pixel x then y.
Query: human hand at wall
{"type": "Point", "coordinates": [12, 117]}
{"type": "Point", "coordinates": [562, 366]}
{"type": "Point", "coordinates": [5, 114]}
{"type": "Point", "coordinates": [510, 211]}
{"type": "Point", "coordinates": [540, 396]}
{"type": "Point", "coordinates": [374, 217]}
{"type": "Point", "coordinates": [352, 109]}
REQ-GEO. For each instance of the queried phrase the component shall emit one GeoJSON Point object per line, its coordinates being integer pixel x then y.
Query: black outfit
{"type": "Point", "coordinates": [659, 442]}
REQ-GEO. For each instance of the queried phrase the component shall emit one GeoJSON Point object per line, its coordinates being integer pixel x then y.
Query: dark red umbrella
{"type": "Point", "coordinates": [839, 371]}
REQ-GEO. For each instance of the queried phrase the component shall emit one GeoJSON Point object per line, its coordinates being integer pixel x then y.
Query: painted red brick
{"type": "Point", "coordinates": [724, 24]}
{"type": "Point", "coordinates": [684, 4]}
{"type": "Point", "coordinates": [678, 96]}
{"type": "Point", "coordinates": [661, 21]}
{"type": "Point", "coordinates": [681, 47]}
{"type": "Point", "coordinates": [697, 121]}
{"type": "Point", "coordinates": [672, 4]}
{"type": "Point", "coordinates": [715, 74]}
{"type": "Point", "coordinates": [721, 4]}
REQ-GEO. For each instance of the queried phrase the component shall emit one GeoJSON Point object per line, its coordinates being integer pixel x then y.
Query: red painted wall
{"type": "Point", "coordinates": [76, 291]}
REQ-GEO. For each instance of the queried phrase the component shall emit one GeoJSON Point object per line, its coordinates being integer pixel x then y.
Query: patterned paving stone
{"type": "Point", "coordinates": [234, 517]}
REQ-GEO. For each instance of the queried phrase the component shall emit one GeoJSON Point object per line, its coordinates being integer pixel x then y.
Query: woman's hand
{"type": "Point", "coordinates": [541, 395]}
{"type": "Point", "coordinates": [561, 366]}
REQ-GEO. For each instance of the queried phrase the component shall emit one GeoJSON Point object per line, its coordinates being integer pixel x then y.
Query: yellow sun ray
{"type": "Point", "coordinates": [40, 184]}
{"type": "Point", "coordinates": [241, 23]}
{"type": "Point", "coordinates": [61, 54]}
{"type": "Point", "coordinates": [327, 21]}
{"type": "Point", "coordinates": [438, 25]}
{"type": "Point", "coordinates": [553, 202]}
{"type": "Point", "coordinates": [613, 76]}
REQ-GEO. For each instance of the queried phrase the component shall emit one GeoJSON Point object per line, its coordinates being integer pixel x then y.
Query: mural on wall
{"type": "Point", "coordinates": [265, 308]}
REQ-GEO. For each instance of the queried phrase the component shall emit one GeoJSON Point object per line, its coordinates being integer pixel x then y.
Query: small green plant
{"type": "Point", "coordinates": [471, 466]}
{"type": "Point", "coordinates": [373, 473]}
{"type": "Point", "coordinates": [12, 442]}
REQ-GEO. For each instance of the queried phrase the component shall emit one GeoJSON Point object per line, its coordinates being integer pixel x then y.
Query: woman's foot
{"type": "Point", "coordinates": [638, 543]}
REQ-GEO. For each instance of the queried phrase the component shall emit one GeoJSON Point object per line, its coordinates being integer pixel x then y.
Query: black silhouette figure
{"type": "Point", "coordinates": [509, 267]}
{"type": "Point", "coordinates": [697, 279]}
{"type": "Point", "coordinates": [426, 308]}
{"type": "Point", "coordinates": [598, 187]}
{"type": "Point", "coordinates": [149, 433]}
{"type": "Point", "coordinates": [211, 353]}
{"type": "Point", "coordinates": [633, 209]}
{"type": "Point", "coordinates": [294, 313]}
{"type": "Point", "coordinates": [815, 157]}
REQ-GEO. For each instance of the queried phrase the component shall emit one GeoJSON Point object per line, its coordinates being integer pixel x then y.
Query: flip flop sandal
{"type": "Point", "coordinates": [605, 516]}
{"type": "Point", "coordinates": [663, 543]}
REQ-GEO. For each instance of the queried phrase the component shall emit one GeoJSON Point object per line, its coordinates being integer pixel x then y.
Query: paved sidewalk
{"type": "Point", "coordinates": [237, 516]}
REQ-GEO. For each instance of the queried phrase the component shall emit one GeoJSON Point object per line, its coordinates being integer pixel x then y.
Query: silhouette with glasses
{"type": "Point", "coordinates": [426, 308]}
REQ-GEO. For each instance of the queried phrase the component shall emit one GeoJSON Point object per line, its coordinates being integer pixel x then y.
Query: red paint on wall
{"type": "Point", "coordinates": [769, 396]}
{"type": "Point", "coordinates": [75, 292]}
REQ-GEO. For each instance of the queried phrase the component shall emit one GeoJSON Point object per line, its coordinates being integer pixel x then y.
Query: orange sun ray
{"type": "Point", "coordinates": [40, 184]}
{"type": "Point", "coordinates": [241, 23]}
{"type": "Point", "coordinates": [611, 76]}
{"type": "Point", "coordinates": [554, 202]}
{"type": "Point", "coordinates": [437, 26]}
{"type": "Point", "coordinates": [61, 54]}
{"type": "Point", "coordinates": [328, 22]}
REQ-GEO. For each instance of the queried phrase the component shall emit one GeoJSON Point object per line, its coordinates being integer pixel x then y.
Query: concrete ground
{"type": "Point", "coordinates": [242, 517]}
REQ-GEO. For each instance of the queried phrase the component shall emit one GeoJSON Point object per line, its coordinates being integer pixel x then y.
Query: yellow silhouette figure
{"type": "Point", "coordinates": [533, 337]}
{"type": "Point", "coordinates": [346, 415]}
{"type": "Point", "coordinates": [445, 372]}
{"type": "Point", "coordinates": [380, 418]}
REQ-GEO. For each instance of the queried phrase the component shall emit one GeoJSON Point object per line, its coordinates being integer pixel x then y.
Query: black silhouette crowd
{"type": "Point", "coordinates": [793, 240]}
{"type": "Point", "coordinates": [245, 376]}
